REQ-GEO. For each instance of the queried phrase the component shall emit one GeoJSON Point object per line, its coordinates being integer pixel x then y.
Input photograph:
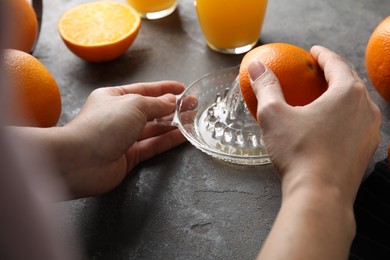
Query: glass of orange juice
{"type": "Point", "coordinates": [231, 26]}
{"type": "Point", "coordinates": [153, 9]}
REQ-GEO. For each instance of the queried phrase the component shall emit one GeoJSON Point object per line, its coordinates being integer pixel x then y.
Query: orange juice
{"type": "Point", "coordinates": [153, 9]}
{"type": "Point", "coordinates": [229, 25]}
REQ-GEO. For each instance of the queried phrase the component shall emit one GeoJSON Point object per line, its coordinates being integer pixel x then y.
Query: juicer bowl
{"type": "Point", "coordinates": [213, 116]}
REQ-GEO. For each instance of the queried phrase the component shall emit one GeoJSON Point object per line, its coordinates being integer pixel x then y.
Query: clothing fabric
{"type": "Point", "coordinates": [372, 213]}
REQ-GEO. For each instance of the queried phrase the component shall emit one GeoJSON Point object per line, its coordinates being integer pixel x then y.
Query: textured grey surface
{"type": "Point", "coordinates": [184, 204]}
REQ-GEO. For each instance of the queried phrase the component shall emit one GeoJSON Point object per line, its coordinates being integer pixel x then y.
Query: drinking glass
{"type": "Point", "coordinates": [231, 26]}
{"type": "Point", "coordinates": [153, 9]}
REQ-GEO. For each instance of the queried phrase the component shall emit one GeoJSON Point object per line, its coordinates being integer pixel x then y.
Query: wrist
{"type": "Point", "coordinates": [55, 146]}
{"type": "Point", "coordinates": [339, 178]}
{"type": "Point", "coordinates": [65, 149]}
{"type": "Point", "coordinates": [72, 156]}
{"type": "Point", "coordinates": [319, 218]}
{"type": "Point", "coordinates": [322, 204]}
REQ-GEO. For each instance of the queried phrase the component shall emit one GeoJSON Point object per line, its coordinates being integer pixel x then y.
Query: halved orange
{"type": "Point", "coordinates": [99, 31]}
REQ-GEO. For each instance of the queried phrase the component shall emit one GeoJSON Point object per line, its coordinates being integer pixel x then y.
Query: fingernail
{"type": "Point", "coordinates": [255, 69]}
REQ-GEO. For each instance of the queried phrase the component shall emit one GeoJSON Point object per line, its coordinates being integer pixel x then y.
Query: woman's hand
{"type": "Point", "coordinates": [112, 134]}
{"type": "Point", "coordinates": [330, 140]}
{"type": "Point", "coordinates": [320, 152]}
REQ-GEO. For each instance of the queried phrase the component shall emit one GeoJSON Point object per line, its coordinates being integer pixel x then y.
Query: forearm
{"type": "Point", "coordinates": [79, 158]}
{"type": "Point", "coordinates": [59, 144]}
{"type": "Point", "coordinates": [311, 224]}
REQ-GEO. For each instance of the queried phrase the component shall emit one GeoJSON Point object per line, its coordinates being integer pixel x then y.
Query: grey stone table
{"type": "Point", "coordinates": [184, 204]}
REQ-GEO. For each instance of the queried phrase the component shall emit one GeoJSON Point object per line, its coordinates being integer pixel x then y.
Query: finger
{"type": "Point", "coordinates": [151, 129]}
{"type": "Point", "coordinates": [265, 85]}
{"type": "Point", "coordinates": [188, 103]}
{"type": "Point", "coordinates": [334, 67]}
{"type": "Point", "coordinates": [153, 89]}
{"type": "Point", "coordinates": [151, 147]}
{"type": "Point", "coordinates": [155, 107]}
{"type": "Point", "coordinates": [185, 116]}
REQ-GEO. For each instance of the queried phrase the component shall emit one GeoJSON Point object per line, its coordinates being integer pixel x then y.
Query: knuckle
{"type": "Point", "coordinates": [139, 101]}
{"type": "Point", "coordinates": [337, 57]}
{"type": "Point", "coordinates": [333, 57]}
{"type": "Point", "coordinates": [355, 74]}
{"type": "Point", "coordinates": [357, 89]}
{"type": "Point", "coordinates": [268, 80]}
{"type": "Point", "coordinates": [97, 92]}
{"type": "Point", "coordinates": [136, 98]}
{"type": "Point", "coordinates": [360, 86]}
{"type": "Point", "coordinates": [269, 108]}
{"type": "Point", "coordinates": [377, 116]}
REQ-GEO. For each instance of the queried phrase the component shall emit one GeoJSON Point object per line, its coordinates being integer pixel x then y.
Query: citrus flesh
{"type": "Point", "coordinates": [99, 31]}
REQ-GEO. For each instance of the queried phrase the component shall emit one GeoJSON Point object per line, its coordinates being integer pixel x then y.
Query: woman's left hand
{"type": "Point", "coordinates": [114, 132]}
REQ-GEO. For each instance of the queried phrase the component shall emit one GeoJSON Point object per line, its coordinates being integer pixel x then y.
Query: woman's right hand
{"type": "Point", "coordinates": [330, 140]}
{"type": "Point", "coordinates": [321, 152]}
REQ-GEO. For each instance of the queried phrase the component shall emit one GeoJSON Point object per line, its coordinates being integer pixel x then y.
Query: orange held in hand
{"type": "Point", "coordinates": [35, 98]}
{"type": "Point", "coordinates": [99, 31]}
{"type": "Point", "coordinates": [300, 77]}
{"type": "Point", "coordinates": [21, 26]}
{"type": "Point", "coordinates": [378, 59]}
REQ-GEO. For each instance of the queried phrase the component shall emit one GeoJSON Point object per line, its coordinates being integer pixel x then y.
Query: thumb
{"type": "Point", "coordinates": [265, 85]}
{"type": "Point", "coordinates": [156, 107]}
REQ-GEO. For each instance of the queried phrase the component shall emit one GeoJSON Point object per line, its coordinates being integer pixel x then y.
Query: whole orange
{"type": "Point", "coordinates": [21, 26]}
{"type": "Point", "coordinates": [35, 97]}
{"type": "Point", "coordinates": [99, 31]}
{"type": "Point", "coordinates": [378, 58]}
{"type": "Point", "coordinates": [300, 77]}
